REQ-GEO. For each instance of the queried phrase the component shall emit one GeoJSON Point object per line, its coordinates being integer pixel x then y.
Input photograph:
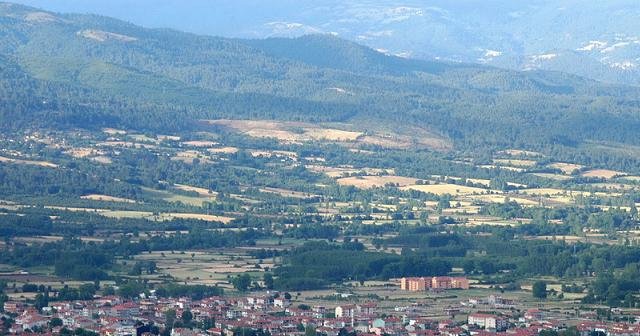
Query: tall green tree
{"type": "Point", "coordinates": [539, 290]}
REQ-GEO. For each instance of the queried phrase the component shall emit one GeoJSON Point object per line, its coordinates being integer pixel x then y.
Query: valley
{"type": "Point", "coordinates": [185, 184]}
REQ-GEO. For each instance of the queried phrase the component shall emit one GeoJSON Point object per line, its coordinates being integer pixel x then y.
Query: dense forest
{"type": "Point", "coordinates": [88, 71]}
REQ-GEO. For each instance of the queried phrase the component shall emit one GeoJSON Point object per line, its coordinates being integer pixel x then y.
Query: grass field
{"type": "Point", "coordinates": [212, 267]}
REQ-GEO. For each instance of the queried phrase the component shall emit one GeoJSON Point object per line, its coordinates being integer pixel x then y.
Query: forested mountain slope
{"type": "Point", "coordinates": [117, 74]}
{"type": "Point", "coordinates": [596, 39]}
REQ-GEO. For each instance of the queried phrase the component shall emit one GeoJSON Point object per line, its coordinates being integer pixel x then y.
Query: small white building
{"type": "Point", "coordinates": [488, 321]}
{"type": "Point", "coordinates": [345, 311]}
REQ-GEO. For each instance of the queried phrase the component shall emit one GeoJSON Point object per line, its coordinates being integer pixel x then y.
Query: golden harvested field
{"type": "Point", "coordinates": [366, 182]}
{"type": "Point", "coordinates": [287, 131]}
{"type": "Point", "coordinates": [514, 162]}
{"type": "Point", "coordinates": [28, 162]}
{"type": "Point", "coordinates": [298, 132]}
{"type": "Point", "coordinates": [451, 189]}
{"type": "Point", "coordinates": [483, 182]}
{"type": "Point", "coordinates": [189, 200]}
{"type": "Point", "coordinates": [631, 178]}
{"type": "Point", "coordinates": [106, 198]}
{"type": "Point", "coordinates": [603, 173]}
{"type": "Point", "coordinates": [80, 153]}
{"type": "Point", "coordinates": [201, 191]}
{"type": "Point", "coordinates": [332, 134]}
{"type": "Point", "coordinates": [566, 168]}
{"type": "Point", "coordinates": [223, 150]}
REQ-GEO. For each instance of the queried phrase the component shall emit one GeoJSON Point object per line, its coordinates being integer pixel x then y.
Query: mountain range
{"type": "Point", "coordinates": [595, 39]}
{"type": "Point", "coordinates": [77, 70]}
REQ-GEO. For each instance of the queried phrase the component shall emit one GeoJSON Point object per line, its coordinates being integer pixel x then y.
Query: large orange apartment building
{"type": "Point", "coordinates": [441, 282]}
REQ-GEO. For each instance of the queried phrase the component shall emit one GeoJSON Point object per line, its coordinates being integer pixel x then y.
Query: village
{"type": "Point", "coordinates": [275, 313]}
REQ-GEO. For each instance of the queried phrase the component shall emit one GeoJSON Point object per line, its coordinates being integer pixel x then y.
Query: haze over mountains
{"type": "Point", "coordinates": [596, 39]}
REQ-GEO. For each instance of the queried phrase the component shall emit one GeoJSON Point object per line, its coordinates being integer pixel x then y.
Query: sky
{"type": "Point", "coordinates": [213, 17]}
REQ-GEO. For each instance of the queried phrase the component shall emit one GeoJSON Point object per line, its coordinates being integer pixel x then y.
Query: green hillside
{"type": "Point", "coordinates": [162, 79]}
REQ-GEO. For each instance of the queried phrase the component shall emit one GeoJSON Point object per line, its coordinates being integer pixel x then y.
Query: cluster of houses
{"type": "Point", "coordinates": [218, 316]}
{"type": "Point", "coordinates": [420, 284]}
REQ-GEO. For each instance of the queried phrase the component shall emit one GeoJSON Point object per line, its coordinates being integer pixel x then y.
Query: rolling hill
{"type": "Point", "coordinates": [87, 70]}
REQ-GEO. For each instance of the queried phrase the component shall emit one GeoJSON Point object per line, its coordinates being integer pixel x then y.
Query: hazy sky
{"type": "Point", "coordinates": [199, 16]}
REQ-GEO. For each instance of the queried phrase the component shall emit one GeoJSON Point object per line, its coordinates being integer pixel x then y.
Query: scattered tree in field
{"type": "Point", "coordinates": [241, 282]}
{"type": "Point", "coordinates": [540, 290]}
